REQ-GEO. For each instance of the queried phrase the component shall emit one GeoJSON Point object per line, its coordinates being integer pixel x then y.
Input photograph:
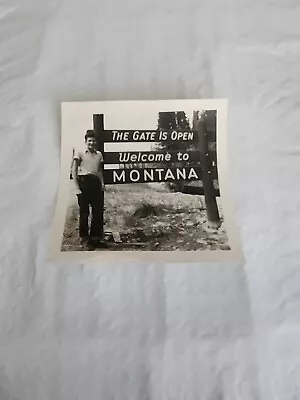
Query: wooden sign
{"type": "Point", "coordinates": [112, 136]}
{"type": "Point", "coordinates": [163, 156]}
{"type": "Point", "coordinates": [184, 165]}
{"type": "Point", "coordinates": [150, 175]}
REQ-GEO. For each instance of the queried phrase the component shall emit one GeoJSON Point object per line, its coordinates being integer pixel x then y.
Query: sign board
{"type": "Point", "coordinates": [151, 175]}
{"type": "Point", "coordinates": [136, 136]}
{"type": "Point", "coordinates": [163, 156]}
{"type": "Point", "coordinates": [168, 166]}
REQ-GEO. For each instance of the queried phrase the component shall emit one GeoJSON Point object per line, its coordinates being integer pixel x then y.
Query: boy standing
{"type": "Point", "coordinates": [89, 183]}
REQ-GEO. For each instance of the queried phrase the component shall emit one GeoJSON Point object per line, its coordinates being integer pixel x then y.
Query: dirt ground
{"type": "Point", "coordinates": [150, 217]}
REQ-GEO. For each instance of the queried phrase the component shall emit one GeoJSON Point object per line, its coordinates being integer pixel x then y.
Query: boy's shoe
{"type": "Point", "coordinates": [102, 245]}
{"type": "Point", "coordinates": [99, 243]}
{"type": "Point", "coordinates": [86, 244]}
{"type": "Point", "coordinates": [84, 240]}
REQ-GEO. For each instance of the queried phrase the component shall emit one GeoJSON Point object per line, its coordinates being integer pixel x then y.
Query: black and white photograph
{"type": "Point", "coordinates": [144, 178]}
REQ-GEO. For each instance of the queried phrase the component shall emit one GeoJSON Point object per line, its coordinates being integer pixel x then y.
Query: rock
{"type": "Point", "coordinates": [157, 224]}
{"type": "Point", "coordinates": [213, 225]}
{"type": "Point", "coordinates": [224, 247]}
{"type": "Point", "coordinates": [190, 224]}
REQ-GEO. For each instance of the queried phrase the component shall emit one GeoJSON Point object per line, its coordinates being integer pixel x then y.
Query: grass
{"type": "Point", "coordinates": [146, 209]}
{"type": "Point", "coordinates": [152, 218]}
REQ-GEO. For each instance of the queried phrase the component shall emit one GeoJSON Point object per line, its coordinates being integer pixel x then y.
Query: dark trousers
{"type": "Point", "coordinates": [91, 196]}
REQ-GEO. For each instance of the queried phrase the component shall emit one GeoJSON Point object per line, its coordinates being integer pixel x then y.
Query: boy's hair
{"type": "Point", "coordinates": [89, 134]}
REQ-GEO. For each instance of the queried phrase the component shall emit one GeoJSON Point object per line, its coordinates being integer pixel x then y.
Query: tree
{"type": "Point", "coordinates": [210, 119]}
{"type": "Point", "coordinates": [210, 116]}
{"type": "Point", "coordinates": [174, 120]}
{"type": "Point", "coordinates": [182, 121]}
{"type": "Point", "coordinates": [167, 120]}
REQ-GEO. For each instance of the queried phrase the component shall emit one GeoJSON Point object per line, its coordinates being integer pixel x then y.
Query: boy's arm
{"type": "Point", "coordinates": [75, 175]}
{"type": "Point", "coordinates": [101, 175]}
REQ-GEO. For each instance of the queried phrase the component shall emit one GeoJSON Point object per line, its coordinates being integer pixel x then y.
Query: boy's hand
{"type": "Point", "coordinates": [103, 187]}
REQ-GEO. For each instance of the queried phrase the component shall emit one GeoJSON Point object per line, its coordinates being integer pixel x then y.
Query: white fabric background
{"type": "Point", "coordinates": [151, 332]}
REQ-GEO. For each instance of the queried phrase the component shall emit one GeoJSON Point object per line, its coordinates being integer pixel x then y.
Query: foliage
{"type": "Point", "coordinates": [174, 120]}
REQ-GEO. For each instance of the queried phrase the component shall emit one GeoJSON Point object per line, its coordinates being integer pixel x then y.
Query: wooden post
{"type": "Point", "coordinates": [98, 120]}
{"type": "Point", "coordinates": [207, 178]}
